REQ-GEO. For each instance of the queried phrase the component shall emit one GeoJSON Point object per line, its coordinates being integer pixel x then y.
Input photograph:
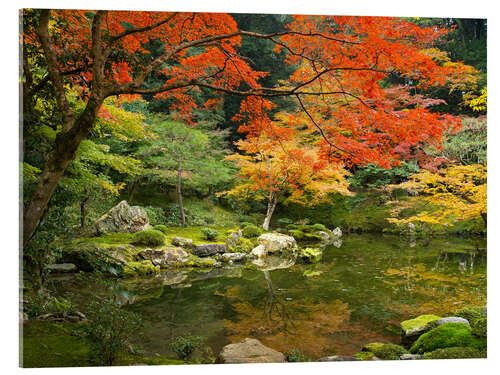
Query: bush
{"type": "Point", "coordinates": [42, 302]}
{"type": "Point", "coordinates": [162, 228]}
{"type": "Point", "coordinates": [472, 313]}
{"type": "Point", "coordinates": [446, 336]}
{"type": "Point", "coordinates": [184, 346]}
{"type": "Point", "coordinates": [245, 224]}
{"type": "Point", "coordinates": [479, 328]}
{"type": "Point", "coordinates": [284, 221]}
{"type": "Point", "coordinates": [295, 355]}
{"type": "Point", "coordinates": [109, 329]}
{"type": "Point", "coordinates": [251, 231]}
{"type": "Point", "coordinates": [456, 352]}
{"type": "Point", "coordinates": [149, 237]}
{"type": "Point", "coordinates": [156, 215]}
{"type": "Point", "coordinates": [210, 234]}
{"type": "Point", "coordinates": [244, 246]}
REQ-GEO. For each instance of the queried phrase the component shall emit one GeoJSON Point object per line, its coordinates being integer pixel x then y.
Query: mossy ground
{"type": "Point", "coordinates": [455, 353]}
{"type": "Point", "coordinates": [420, 322]}
{"type": "Point", "coordinates": [56, 344]}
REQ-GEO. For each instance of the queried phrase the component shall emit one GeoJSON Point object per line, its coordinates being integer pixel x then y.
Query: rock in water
{"type": "Point", "coordinates": [277, 242]}
{"type": "Point", "coordinates": [250, 351]}
{"type": "Point", "coordinates": [122, 218]}
{"type": "Point", "coordinates": [186, 243]}
{"type": "Point", "coordinates": [62, 267]}
{"type": "Point", "coordinates": [209, 249]}
{"type": "Point", "coordinates": [338, 358]}
{"type": "Point", "coordinates": [164, 257]}
{"type": "Point", "coordinates": [337, 232]}
{"type": "Point", "coordinates": [259, 251]}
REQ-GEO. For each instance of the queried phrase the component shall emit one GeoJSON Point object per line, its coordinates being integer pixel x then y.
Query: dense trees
{"type": "Point", "coordinates": [341, 63]}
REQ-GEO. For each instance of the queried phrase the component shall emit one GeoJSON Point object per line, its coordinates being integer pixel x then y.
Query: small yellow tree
{"type": "Point", "coordinates": [455, 193]}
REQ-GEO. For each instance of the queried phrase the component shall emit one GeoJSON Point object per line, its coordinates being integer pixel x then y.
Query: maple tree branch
{"type": "Point", "coordinates": [54, 72]}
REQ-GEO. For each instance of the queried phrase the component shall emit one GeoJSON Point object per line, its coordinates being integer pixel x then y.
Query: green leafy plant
{"type": "Point", "coordinates": [295, 355]}
{"type": "Point", "coordinates": [109, 329]}
{"type": "Point", "coordinates": [251, 231]}
{"type": "Point", "coordinates": [184, 346]}
{"type": "Point", "coordinates": [210, 234]}
{"type": "Point", "coordinates": [149, 237]}
{"type": "Point", "coordinates": [162, 228]}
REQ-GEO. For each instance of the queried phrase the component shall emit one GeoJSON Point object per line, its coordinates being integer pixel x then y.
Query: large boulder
{"type": "Point", "coordinates": [122, 218]}
{"type": "Point", "coordinates": [250, 351]}
{"type": "Point", "coordinates": [209, 249]}
{"type": "Point", "coordinates": [164, 257]}
{"type": "Point", "coordinates": [186, 243]}
{"type": "Point", "coordinates": [277, 242]}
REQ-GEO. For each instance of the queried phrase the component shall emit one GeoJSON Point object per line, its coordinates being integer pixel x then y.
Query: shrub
{"type": "Point", "coordinates": [479, 328]}
{"type": "Point", "coordinates": [210, 234]}
{"type": "Point", "coordinates": [156, 215]}
{"type": "Point", "coordinates": [446, 336]}
{"type": "Point", "coordinates": [185, 345]}
{"type": "Point", "coordinates": [149, 237]}
{"type": "Point", "coordinates": [320, 227]}
{"type": "Point", "coordinates": [244, 246]}
{"type": "Point", "coordinates": [295, 355]}
{"type": "Point", "coordinates": [245, 224]}
{"type": "Point", "coordinates": [162, 228]}
{"type": "Point", "coordinates": [42, 302]}
{"type": "Point", "coordinates": [251, 231]}
{"type": "Point", "coordinates": [470, 313]}
{"type": "Point", "coordinates": [456, 352]}
{"type": "Point", "coordinates": [284, 221]}
{"type": "Point", "coordinates": [109, 329]}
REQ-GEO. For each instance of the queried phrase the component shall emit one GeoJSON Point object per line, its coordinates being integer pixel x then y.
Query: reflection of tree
{"type": "Point", "coordinates": [275, 303]}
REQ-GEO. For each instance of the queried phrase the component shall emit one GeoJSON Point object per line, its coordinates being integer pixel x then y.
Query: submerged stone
{"type": "Point", "coordinates": [62, 267]}
{"type": "Point", "coordinates": [250, 351]}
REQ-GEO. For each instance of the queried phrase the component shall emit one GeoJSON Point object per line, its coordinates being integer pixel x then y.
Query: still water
{"type": "Point", "coordinates": [359, 293]}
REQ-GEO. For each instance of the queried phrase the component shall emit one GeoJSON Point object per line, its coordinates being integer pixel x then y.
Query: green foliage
{"type": "Point", "coordinates": [456, 352]}
{"type": "Point", "coordinates": [142, 268]}
{"type": "Point", "coordinates": [156, 215]}
{"type": "Point", "coordinates": [251, 231]}
{"type": "Point", "coordinates": [109, 329]}
{"type": "Point", "coordinates": [210, 234]}
{"type": "Point", "coordinates": [245, 245]}
{"type": "Point", "coordinates": [149, 237]}
{"type": "Point", "coordinates": [162, 228]}
{"type": "Point", "coordinates": [184, 346]}
{"type": "Point", "coordinates": [295, 355]}
{"type": "Point", "coordinates": [480, 327]}
{"type": "Point", "coordinates": [446, 336]}
{"type": "Point", "coordinates": [471, 313]}
{"type": "Point", "coordinates": [364, 356]}
{"type": "Point", "coordinates": [418, 323]}
{"type": "Point", "coordinates": [372, 176]}
{"type": "Point", "coordinates": [43, 302]}
{"type": "Point", "coordinates": [284, 221]}
{"type": "Point", "coordinates": [320, 227]}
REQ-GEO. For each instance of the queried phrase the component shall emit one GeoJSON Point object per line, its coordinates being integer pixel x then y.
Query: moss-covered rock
{"type": "Point", "coordinates": [365, 356]}
{"type": "Point", "coordinates": [471, 313]}
{"type": "Point", "coordinates": [414, 328]}
{"type": "Point", "coordinates": [251, 231]}
{"type": "Point", "coordinates": [447, 336]}
{"type": "Point", "coordinates": [479, 327]}
{"type": "Point", "coordinates": [385, 351]}
{"type": "Point", "coordinates": [142, 268]}
{"type": "Point", "coordinates": [245, 245]}
{"type": "Point", "coordinates": [310, 255]}
{"type": "Point", "coordinates": [160, 227]}
{"type": "Point", "coordinates": [456, 352]}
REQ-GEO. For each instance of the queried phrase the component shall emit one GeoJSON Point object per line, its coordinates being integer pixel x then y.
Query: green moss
{"type": "Point", "coordinates": [311, 255]}
{"type": "Point", "coordinates": [297, 234]}
{"type": "Point", "coordinates": [319, 227]}
{"type": "Point", "coordinates": [251, 231]}
{"type": "Point", "coordinates": [479, 328]}
{"type": "Point", "coordinates": [245, 245]}
{"type": "Point", "coordinates": [365, 356]}
{"type": "Point", "coordinates": [456, 352]}
{"type": "Point", "coordinates": [418, 323]}
{"type": "Point", "coordinates": [149, 238]}
{"type": "Point", "coordinates": [471, 313]}
{"type": "Point", "coordinates": [141, 268]}
{"type": "Point", "coordinates": [162, 228]}
{"type": "Point", "coordinates": [89, 256]}
{"type": "Point", "coordinates": [446, 336]}
{"type": "Point", "coordinates": [111, 239]}
{"type": "Point", "coordinates": [195, 234]}
{"type": "Point", "coordinates": [53, 344]}
{"type": "Point", "coordinates": [313, 237]}
{"type": "Point", "coordinates": [389, 351]}
{"type": "Point", "coordinates": [372, 347]}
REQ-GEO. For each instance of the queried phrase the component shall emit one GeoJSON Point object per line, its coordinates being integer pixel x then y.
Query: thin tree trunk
{"type": "Point", "coordinates": [485, 218]}
{"type": "Point", "coordinates": [273, 200]}
{"type": "Point", "coordinates": [134, 189]}
{"type": "Point", "coordinates": [83, 211]}
{"type": "Point", "coordinates": [179, 192]}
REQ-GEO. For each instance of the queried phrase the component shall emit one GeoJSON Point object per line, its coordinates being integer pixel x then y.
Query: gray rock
{"type": "Point", "coordinates": [277, 242]}
{"type": "Point", "coordinates": [209, 249]}
{"type": "Point", "coordinates": [258, 251]}
{"type": "Point", "coordinates": [338, 358]}
{"type": "Point", "coordinates": [325, 236]}
{"type": "Point", "coordinates": [337, 232]}
{"type": "Point", "coordinates": [410, 356]}
{"type": "Point", "coordinates": [250, 351]}
{"type": "Point", "coordinates": [164, 257]}
{"type": "Point", "coordinates": [234, 257]}
{"type": "Point", "coordinates": [234, 238]}
{"type": "Point", "coordinates": [485, 311]}
{"type": "Point", "coordinates": [122, 218]}
{"type": "Point", "coordinates": [448, 319]}
{"type": "Point", "coordinates": [186, 243]}
{"type": "Point", "coordinates": [61, 267]}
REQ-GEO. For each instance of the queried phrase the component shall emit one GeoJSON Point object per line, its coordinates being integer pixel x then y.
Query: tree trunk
{"type": "Point", "coordinates": [271, 205]}
{"type": "Point", "coordinates": [132, 192]}
{"type": "Point", "coordinates": [60, 156]}
{"type": "Point", "coordinates": [179, 192]}
{"type": "Point", "coordinates": [484, 215]}
{"type": "Point", "coordinates": [83, 211]}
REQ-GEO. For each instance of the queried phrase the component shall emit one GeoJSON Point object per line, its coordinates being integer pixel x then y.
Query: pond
{"type": "Point", "coordinates": [359, 293]}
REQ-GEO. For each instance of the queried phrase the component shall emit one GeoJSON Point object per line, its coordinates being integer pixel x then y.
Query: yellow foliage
{"type": "Point", "coordinates": [458, 191]}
